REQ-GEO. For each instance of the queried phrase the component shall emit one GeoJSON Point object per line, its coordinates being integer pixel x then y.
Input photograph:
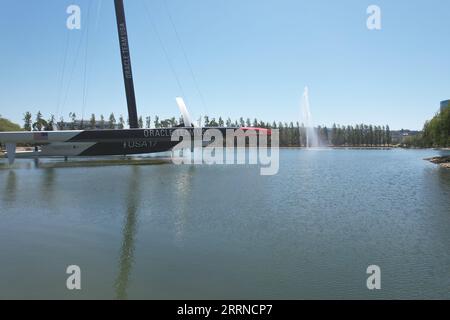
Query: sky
{"type": "Point", "coordinates": [230, 58]}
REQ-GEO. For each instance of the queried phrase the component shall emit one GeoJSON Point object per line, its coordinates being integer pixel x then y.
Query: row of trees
{"type": "Point", "coordinates": [40, 124]}
{"type": "Point", "coordinates": [435, 134]}
{"type": "Point", "coordinates": [291, 134]}
{"type": "Point", "coordinates": [360, 135]}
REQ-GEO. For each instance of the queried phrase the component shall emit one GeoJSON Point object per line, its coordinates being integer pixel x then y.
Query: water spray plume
{"type": "Point", "coordinates": [312, 140]}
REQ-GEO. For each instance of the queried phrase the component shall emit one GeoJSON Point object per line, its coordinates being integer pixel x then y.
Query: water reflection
{"type": "Point", "coordinates": [11, 187]}
{"type": "Point", "coordinates": [19, 164]}
{"type": "Point", "coordinates": [129, 233]}
{"type": "Point", "coordinates": [48, 184]}
{"type": "Point", "coordinates": [183, 187]}
{"type": "Point", "coordinates": [444, 177]}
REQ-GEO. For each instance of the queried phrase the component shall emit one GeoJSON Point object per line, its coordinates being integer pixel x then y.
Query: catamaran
{"type": "Point", "coordinates": [87, 143]}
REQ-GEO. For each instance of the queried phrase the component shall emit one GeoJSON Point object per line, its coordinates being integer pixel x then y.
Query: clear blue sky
{"type": "Point", "coordinates": [251, 58]}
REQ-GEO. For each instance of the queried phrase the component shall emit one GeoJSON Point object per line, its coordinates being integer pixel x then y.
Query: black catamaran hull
{"type": "Point", "coordinates": [109, 142]}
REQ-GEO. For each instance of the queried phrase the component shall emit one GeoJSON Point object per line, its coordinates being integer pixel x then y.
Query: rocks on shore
{"type": "Point", "coordinates": [442, 161]}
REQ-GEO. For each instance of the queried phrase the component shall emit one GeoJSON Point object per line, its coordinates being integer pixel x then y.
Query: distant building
{"type": "Point", "coordinates": [444, 105]}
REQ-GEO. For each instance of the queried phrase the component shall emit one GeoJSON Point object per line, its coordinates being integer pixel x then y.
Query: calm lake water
{"type": "Point", "coordinates": [213, 232]}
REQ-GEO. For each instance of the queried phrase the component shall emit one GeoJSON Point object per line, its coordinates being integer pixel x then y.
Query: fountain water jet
{"type": "Point", "coordinates": [312, 139]}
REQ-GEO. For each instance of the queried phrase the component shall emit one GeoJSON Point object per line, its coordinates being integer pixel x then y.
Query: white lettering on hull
{"type": "Point", "coordinates": [139, 144]}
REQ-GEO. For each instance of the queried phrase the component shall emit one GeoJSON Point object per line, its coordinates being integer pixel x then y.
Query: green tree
{"type": "Point", "coordinates": [349, 135]}
{"type": "Point", "coordinates": [436, 132]}
{"type": "Point", "coordinates": [27, 118]}
{"type": "Point", "coordinates": [166, 123]}
{"type": "Point", "coordinates": [302, 134]}
{"type": "Point", "coordinates": [40, 123]}
{"type": "Point", "coordinates": [121, 122]}
{"type": "Point", "coordinates": [357, 135]}
{"type": "Point", "coordinates": [73, 118]}
{"type": "Point", "coordinates": [388, 135]}
{"type": "Point", "coordinates": [213, 123]}
{"type": "Point", "coordinates": [334, 135]}
{"type": "Point", "coordinates": [371, 135]}
{"type": "Point", "coordinates": [61, 123]}
{"type": "Point", "coordinates": [50, 125]}
{"type": "Point", "coordinates": [112, 121]}
{"type": "Point", "coordinates": [93, 122]}
{"type": "Point", "coordinates": [102, 122]}
{"type": "Point", "coordinates": [325, 135]}
{"type": "Point", "coordinates": [291, 134]}
{"type": "Point", "coordinates": [157, 123]}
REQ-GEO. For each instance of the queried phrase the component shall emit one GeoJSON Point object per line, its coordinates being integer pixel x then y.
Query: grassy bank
{"type": "Point", "coordinates": [6, 125]}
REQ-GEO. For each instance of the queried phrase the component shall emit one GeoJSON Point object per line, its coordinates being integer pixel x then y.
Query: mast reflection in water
{"type": "Point", "coordinates": [126, 259]}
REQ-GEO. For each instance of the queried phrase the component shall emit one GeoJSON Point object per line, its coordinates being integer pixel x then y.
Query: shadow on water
{"type": "Point", "coordinates": [129, 233]}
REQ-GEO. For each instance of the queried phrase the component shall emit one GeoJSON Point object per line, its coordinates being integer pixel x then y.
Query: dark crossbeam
{"type": "Point", "coordinates": [126, 64]}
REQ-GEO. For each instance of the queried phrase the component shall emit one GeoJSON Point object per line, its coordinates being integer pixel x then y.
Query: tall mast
{"type": "Point", "coordinates": [126, 64]}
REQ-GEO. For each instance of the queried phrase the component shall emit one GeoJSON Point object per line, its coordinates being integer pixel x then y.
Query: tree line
{"type": "Point", "coordinates": [360, 135]}
{"type": "Point", "coordinates": [291, 134]}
